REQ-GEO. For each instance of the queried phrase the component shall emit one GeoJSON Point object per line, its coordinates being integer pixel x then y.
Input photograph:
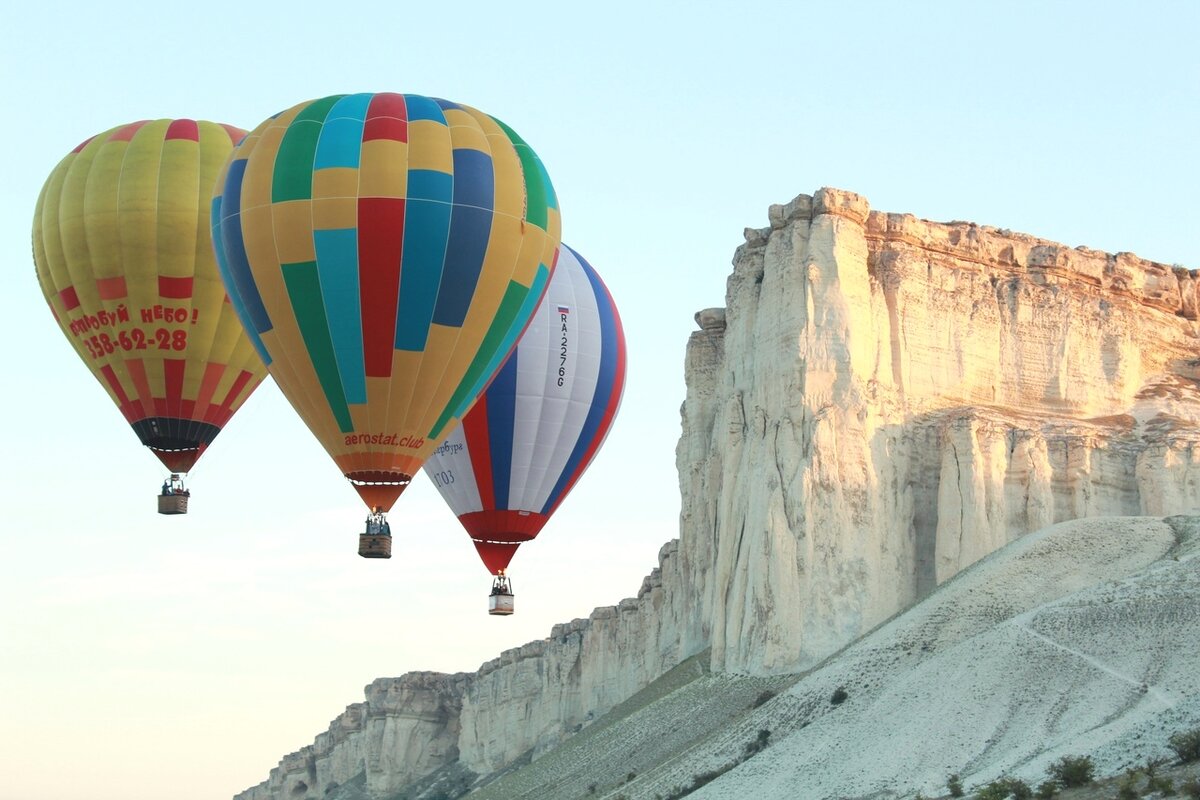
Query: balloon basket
{"type": "Point", "coordinates": [374, 546]}
{"type": "Point", "coordinates": [172, 503]}
{"type": "Point", "coordinates": [500, 605]}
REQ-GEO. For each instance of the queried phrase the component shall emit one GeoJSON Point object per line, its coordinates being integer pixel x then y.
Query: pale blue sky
{"type": "Point", "coordinates": [144, 657]}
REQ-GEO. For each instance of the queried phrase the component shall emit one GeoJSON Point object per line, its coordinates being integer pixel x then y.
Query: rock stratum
{"type": "Point", "coordinates": [882, 402]}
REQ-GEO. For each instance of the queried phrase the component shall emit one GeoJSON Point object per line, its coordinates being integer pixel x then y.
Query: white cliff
{"type": "Point", "coordinates": [882, 402]}
{"type": "Point", "coordinates": [899, 398]}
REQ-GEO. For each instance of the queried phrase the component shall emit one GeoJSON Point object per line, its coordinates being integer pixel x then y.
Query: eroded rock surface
{"type": "Point", "coordinates": [882, 402]}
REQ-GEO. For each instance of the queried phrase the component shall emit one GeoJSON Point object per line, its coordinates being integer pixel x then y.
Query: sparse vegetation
{"type": "Point", "coordinates": [763, 697]}
{"type": "Point", "coordinates": [700, 780]}
{"type": "Point", "coordinates": [1186, 745]}
{"type": "Point", "coordinates": [1004, 788]}
{"type": "Point", "coordinates": [1072, 771]}
{"type": "Point", "coordinates": [996, 790]}
{"type": "Point", "coordinates": [760, 743]}
{"type": "Point", "coordinates": [1019, 789]}
{"type": "Point", "coordinates": [839, 696]}
{"type": "Point", "coordinates": [1164, 786]}
{"type": "Point", "coordinates": [764, 738]}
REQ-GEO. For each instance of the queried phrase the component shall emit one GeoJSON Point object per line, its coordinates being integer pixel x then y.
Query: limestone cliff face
{"type": "Point", "coordinates": [898, 398]}
{"type": "Point", "coordinates": [527, 700]}
{"type": "Point", "coordinates": [551, 688]}
{"type": "Point", "coordinates": [407, 728]}
{"type": "Point", "coordinates": [882, 402]}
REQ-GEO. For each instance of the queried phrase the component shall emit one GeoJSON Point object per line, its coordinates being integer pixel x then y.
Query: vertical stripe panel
{"type": "Point", "coordinates": [533, 388]}
{"type": "Point", "coordinates": [235, 266]}
{"type": "Point", "coordinates": [470, 228]}
{"type": "Point", "coordinates": [501, 407]}
{"type": "Point", "coordinates": [304, 291]}
{"type": "Point", "coordinates": [340, 142]}
{"type": "Point", "coordinates": [387, 118]}
{"type": "Point", "coordinates": [478, 459]}
{"type": "Point", "coordinates": [427, 222]}
{"type": "Point", "coordinates": [292, 175]}
{"type": "Point", "coordinates": [337, 268]}
{"type": "Point", "coordinates": [381, 237]}
{"type": "Point", "coordinates": [173, 383]}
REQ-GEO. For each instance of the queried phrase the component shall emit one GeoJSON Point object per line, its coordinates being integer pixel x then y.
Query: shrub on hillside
{"type": "Point", "coordinates": [839, 696]}
{"type": "Point", "coordinates": [1072, 771]}
{"type": "Point", "coordinates": [1046, 790]}
{"type": "Point", "coordinates": [1127, 790]}
{"type": "Point", "coordinates": [700, 780]}
{"type": "Point", "coordinates": [954, 784]}
{"type": "Point", "coordinates": [1164, 786]}
{"type": "Point", "coordinates": [1019, 789]}
{"type": "Point", "coordinates": [996, 790]}
{"type": "Point", "coordinates": [764, 738]}
{"type": "Point", "coordinates": [1004, 788]}
{"type": "Point", "coordinates": [1186, 745]}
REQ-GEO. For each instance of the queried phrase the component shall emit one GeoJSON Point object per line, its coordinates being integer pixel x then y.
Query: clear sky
{"type": "Point", "coordinates": [144, 657]}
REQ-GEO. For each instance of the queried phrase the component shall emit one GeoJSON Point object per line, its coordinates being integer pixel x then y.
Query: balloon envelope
{"type": "Point", "coordinates": [124, 259]}
{"type": "Point", "coordinates": [385, 252]}
{"type": "Point", "coordinates": [525, 444]}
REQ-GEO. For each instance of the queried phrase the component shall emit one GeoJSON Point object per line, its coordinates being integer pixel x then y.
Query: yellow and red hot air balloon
{"type": "Point", "coordinates": [384, 251]}
{"type": "Point", "coordinates": [125, 261]}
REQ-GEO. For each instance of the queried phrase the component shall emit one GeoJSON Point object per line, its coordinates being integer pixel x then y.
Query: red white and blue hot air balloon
{"type": "Point", "coordinates": [529, 438]}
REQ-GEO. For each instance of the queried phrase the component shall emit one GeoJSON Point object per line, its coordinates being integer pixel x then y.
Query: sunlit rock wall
{"type": "Point", "coordinates": [882, 401]}
{"type": "Point", "coordinates": [898, 398]}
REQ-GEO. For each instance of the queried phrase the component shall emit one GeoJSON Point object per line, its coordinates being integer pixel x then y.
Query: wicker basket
{"type": "Point", "coordinates": [374, 546]}
{"type": "Point", "coordinates": [172, 503]}
{"type": "Point", "coordinates": [500, 605]}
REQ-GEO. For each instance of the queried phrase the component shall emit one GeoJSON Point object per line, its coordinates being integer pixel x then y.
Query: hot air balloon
{"type": "Point", "coordinates": [384, 251]}
{"type": "Point", "coordinates": [124, 259]}
{"type": "Point", "coordinates": [537, 427]}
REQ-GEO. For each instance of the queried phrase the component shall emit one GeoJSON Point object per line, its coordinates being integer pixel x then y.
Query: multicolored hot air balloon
{"type": "Point", "coordinates": [384, 251]}
{"type": "Point", "coordinates": [124, 259]}
{"type": "Point", "coordinates": [525, 444]}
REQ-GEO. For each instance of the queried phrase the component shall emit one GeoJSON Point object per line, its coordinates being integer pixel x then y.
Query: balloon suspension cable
{"type": "Point", "coordinates": [174, 485]}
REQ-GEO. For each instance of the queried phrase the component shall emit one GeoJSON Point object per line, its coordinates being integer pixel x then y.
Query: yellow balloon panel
{"type": "Point", "coordinates": [124, 259]}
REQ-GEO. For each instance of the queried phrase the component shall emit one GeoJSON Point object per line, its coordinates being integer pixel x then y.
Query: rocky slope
{"type": "Point", "coordinates": [1080, 638]}
{"type": "Point", "coordinates": [882, 402]}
